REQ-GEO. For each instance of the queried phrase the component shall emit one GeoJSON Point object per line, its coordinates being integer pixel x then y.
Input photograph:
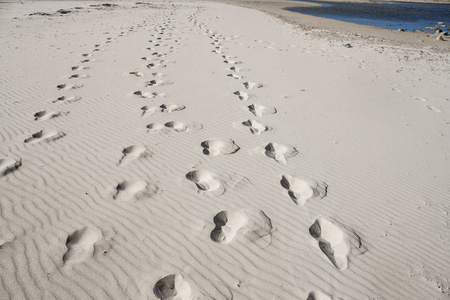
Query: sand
{"type": "Point", "coordinates": [208, 151]}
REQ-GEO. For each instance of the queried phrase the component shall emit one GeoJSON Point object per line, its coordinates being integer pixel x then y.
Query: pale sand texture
{"type": "Point", "coordinates": [325, 176]}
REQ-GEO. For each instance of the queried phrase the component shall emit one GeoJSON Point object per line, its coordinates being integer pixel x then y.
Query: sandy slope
{"type": "Point", "coordinates": [205, 151]}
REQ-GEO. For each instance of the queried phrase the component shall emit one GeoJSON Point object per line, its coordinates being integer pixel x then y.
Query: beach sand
{"type": "Point", "coordinates": [196, 150]}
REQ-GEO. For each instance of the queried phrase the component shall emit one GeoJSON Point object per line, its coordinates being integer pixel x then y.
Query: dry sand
{"type": "Point", "coordinates": [208, 151]}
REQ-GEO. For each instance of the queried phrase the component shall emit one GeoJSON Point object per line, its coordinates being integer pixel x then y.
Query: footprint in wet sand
{"type": "Point", "coordinates": [129, 190]}
{"type": "Point", "coordinates": [243, 96]}
{"type": "Point", "coordinates": [219, 146]}
{"type": "Point", "coordinates": [80, 244]}
{"type": "Point", "coordinates": [8, 165]}
{"type": "Point", "coordinates": [204, 180]}
{"type": "Point", "coordinates": [301, 190]}
{"type": "Point", "coordinates": [67, 99]}
{"type": "Point", "coordinates": [336, 241]}
{"type": "Point", "coordinates": [252, 85]}
{"type": "Point", "coordinates": [131, 153]}
{"type": "Point", "coordinates": [168, 108]}
{"type": "Point", "coordinates": [255, 127]}
{"type": "Point", "coordinates": [249, 222]}
{"type": "Point", "coordinates": [259, 110]}
{"type": "Point", "coordinates": [44, 135]}
{"type": "Point", "coordinates": [172, 287]}
{"type": "Point", "coordinates": [280, 152]}
{"type": "Point", "coordinates": [46, 115]}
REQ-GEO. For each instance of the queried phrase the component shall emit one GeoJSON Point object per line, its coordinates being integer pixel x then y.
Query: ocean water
{"type": "Point", "coordinates": [391, 15]}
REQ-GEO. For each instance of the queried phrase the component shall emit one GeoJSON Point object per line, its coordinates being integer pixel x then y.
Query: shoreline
{"type": "Point", "coordinates": [345, 31]}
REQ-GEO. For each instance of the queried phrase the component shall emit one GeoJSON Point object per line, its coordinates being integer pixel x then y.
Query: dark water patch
{"type": "Point", "coordinates": [411, 16]}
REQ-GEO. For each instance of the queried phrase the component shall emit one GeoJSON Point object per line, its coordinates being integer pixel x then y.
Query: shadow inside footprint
{"type": "Point", "coordinates": [8, 165]}
{"type": "Point", "coordinates": [80, 244]}
{"type": "Point", "coordinates": [168, 108]}
{"type": "Point", "coordinates": [301, 190]}
{"type": "Point", "coordinates": [129, 190]}
{"type": "Point", "coordinates": [255, 127]}
{"type": "Point", "coordinates": [131, 153]}
{"type": "Point", "coordinates": [253, 223]}
{"type": "Point", "coordinates": [204, 180]}
{"type": "Point", "coordinates": [44, 135]}
{"type": "Point", "coordinates": [177, 126]}
{"type": "Point", "coordinates": [259, 110]}
{"type": "Point", "coordinates": [172, 287]}
{"type": "Point", "coordinates": [280, 152]}
{"type": "Point", "coordinates": [46, 115]}
{"type": "Point", "coordinates": [336, 241]}
{"type": "Point", "coordinates": [219, 146]}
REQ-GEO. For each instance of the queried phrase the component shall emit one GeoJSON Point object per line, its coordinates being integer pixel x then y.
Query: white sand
{"type": "Point", "coordinates": [326, 176]}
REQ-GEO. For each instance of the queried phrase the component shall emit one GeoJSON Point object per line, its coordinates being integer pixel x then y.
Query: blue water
{"type": "Point", "coordinates": [392, 15]}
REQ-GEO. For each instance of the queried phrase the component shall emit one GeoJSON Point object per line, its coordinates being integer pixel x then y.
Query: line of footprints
{"type": "Point", "coordinates": [335, 239]}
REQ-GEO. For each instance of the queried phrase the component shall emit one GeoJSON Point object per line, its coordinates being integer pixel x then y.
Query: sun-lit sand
{"type": "Point", "coordinates": [198, 150]}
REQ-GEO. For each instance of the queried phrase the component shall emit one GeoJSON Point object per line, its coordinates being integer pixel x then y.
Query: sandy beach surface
{"type": "Point", "coordinates": [200, 150]}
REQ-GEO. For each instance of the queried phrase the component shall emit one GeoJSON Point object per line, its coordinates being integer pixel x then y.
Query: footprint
{"type": "Point", "coordinates": [255, 127]}
{"type": "Point", "coordinates": [301, 190]}
{"type": "Point", "coordinates": [316, 295]}
{"type": "Point", "coordinates": [153, 127]}
{"type": "Point", "coordinates": [243, 96]}
{"type": "Point", "coordinates": [421, 99]}
{"type": "Point", "coordinates": [80, 244]}
{"type": "Point", "coordinates": [8, 165]}
{"type": "Point", "coordinates": [147, 94]}
{"type": "Point", "coordinates": [78, 76]}
{"type": "Point", "coordinates": [154, 66]}
{"type": "Point", "coordinates": [131, 153]}
{"type": "Point", "coordinates": [77, 68]}
{"type": "Point", "coordinates": [172, 287]}
{"type": "Point", "coordinates": [168, 108]}
{"type": "Point", "coordinates": [67, 99]}
{"type": "Point", "coordinates": [129, 190]}
{"type": "Point", "coordinates": [253, 223]}
{"type": "Point", "coordinates": [259, 110]}
{"type": "Point", "coordinates": [67, 86]}
{"type": "Point", "coordinates": [204, 180]}
{"type": "Point", "coordinates": [177, 126]}
{"type": "Point", "coordinates": [252, 85]}
{"type": "Point", "coordinates": [231, 62]}
{"type": "Point", "coordinates": [280, 152]}
{"type": "Point", "coordinates": [234, 76]}
{"type": "Point", "coordinates": [136, 73]}
{"type": "Point", "coordinates": [149, 110]}
{"type": "Point", "coordinates": [220, 146]}
{"type": "Point", "coordinates": [154, 83]}
{"type": "Point", "coordinates": [336, 241]}
{"type": "Point", "coordinates": [217, 51]}
{"type": "Point", "coordinates": [46, 115]}
{"type": "Point", "coordinates": [235, 69]}
{"type": "Point", "coordinates": [48, 135]}
{"type": "Point", "coordinates": [435, 109]}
